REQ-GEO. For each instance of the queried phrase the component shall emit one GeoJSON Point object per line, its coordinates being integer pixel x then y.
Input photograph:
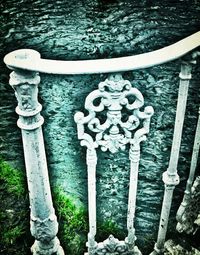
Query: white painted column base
{"type": "Point", "coordinates": [52, 248]}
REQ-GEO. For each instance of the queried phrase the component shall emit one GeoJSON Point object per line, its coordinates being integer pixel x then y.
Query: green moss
{"type": "Point", "coordinates": [15, 235]}
{"type": "Point", "coordinates": [13, 180]}
{"type": "Point", "coordinates": [73, 224]}
{"type": "Point", "coordinates": [14, 215]}
{"type": "Point", "coordinates": [104, 229]}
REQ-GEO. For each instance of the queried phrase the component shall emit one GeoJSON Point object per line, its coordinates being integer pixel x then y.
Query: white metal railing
{"type": "Point", "coordinates": [26, 65]}
{"type": "Point", "coordinates": [30, 60]}
{"type": "Point", "coordinates": [113, 135]}
{"type": "Point", "coordinates": [181, 225]}
{"type": "Point", "coordinates": [171, 177]}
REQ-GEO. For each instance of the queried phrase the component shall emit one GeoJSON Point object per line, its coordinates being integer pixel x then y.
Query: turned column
{"type": "Point", "coordinates": [187, 193]}
{"type": "Point", "coordinates": [44, 226]}
{"type": "Point", "coordinates": [134, 156]}
{"type": "Point", "coordinates": [91, 160]}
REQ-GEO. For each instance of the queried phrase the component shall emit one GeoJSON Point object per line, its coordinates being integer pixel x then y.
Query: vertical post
{"type": "Point", "coordinates": [134, 156]}
{"type": "Point", "coordinates": [190, 180]}
{"type": "Point", "coordinates": [44, 225]}
{"type": "Point", "coordinates": [91, 159]}
{"type": "Point", "coordinates": [170, 177]}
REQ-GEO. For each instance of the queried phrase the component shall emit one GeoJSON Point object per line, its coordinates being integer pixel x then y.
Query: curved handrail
{"type": "Point", "coordinates": [30, 60]}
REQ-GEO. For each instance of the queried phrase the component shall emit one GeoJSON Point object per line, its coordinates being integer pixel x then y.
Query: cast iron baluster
{"type": "Point", "coordinates": [170, 177]}
{"type": "Point", "coordinates": [44, 226]}
{"type": "Point", "coordinates": [193, 165]}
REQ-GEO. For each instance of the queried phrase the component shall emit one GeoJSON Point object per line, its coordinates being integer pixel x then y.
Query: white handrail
{"type": "Point", "coordinates": [30, 60]}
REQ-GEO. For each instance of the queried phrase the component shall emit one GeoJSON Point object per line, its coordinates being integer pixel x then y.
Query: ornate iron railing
{"type": "Point", "coordinates": [113, 135]}
{"type": "Point", "coordinates": [30, 60]}
{"type": "Point", "coordinates": [181, 226]}
{"type": "Point", "coordinates": [26, 65]}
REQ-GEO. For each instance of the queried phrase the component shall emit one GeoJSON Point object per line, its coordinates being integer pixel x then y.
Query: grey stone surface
{"type": "Point", "coordinates": [102, 29]}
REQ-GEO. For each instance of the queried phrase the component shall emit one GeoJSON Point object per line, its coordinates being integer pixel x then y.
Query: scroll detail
{"type": "Point", "coordinates": [113, 95]}
{"type": "Point", "coordinates": [114, 112]}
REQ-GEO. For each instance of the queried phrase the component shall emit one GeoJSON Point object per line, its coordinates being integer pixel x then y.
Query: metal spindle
{"type": "Point", "coordinates": [170, 177]}
{"type": "Point", "coordinates": [190, 180]}
{"type": "Point", "coordinates": [44, 225]}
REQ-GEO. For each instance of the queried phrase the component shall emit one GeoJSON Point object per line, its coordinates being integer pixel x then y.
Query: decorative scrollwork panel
{"type": "Point", "coordinates": [122, 123]}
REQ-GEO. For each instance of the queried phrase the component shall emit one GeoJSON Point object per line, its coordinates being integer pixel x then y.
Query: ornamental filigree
{"type": "Point", "coordinates": [114, 120]}
{"type": "Point", "coordinates": [111, 246]}
{"type": "Point", "coordinates": [114, 130]}
{"type": "Point", "coordinates": [26, 89]}
{"type": "Point", "coordinates": [44, 230]}
{"type": "Point", "coordinates": [25, 86]}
